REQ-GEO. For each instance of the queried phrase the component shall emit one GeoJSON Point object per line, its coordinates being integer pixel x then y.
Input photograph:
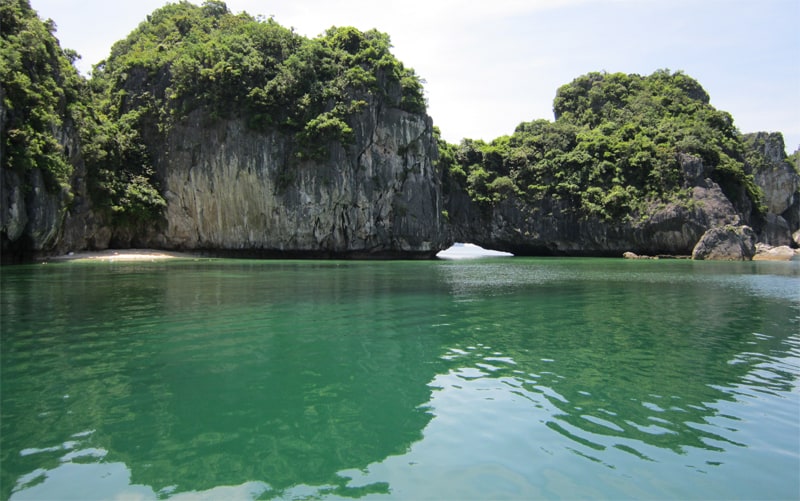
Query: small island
{"type": "Point", "coordinates": [210, 131]}
{"type": "Point", "coordinates": [160, 338]}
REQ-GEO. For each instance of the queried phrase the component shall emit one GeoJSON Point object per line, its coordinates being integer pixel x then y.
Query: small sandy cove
{"type": "Point", "coordinates": [122, 255]}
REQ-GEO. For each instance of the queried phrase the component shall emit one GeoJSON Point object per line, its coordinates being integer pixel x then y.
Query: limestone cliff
{"type": "Point", "coordinates": [623, 168]}
{"type": "Point", "coordinates": [554, 227]}
{"type": "Point", "coordinates": [288, 146]}
{"type": "Point", "coordinates": [39, 216]}
{"type": "Point", "coordinates": [780, 183]}
{"type": "Point", "coordinates": [229, 188]}
{"type": "Point", "coordinates": [32, 214]}
{"type": "Point", "coordinates": [37, 86]}
{"type": "Point", "coordinates": [284, 146]}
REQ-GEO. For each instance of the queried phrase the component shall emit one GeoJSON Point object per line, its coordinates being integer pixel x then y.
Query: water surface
{"type": "Point", "coordinates": [499, 378]}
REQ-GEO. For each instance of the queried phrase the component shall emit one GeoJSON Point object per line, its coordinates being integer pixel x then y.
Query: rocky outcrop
{"type": "Point", "coordinates": [681, 227]}
{"type": "Point", "coordinates": [329, 154]}
{"type": "Point", "coordinates": [775, 230]}
{"type": "Point", "coordinates": [776, 176]}
{"type": "Point", "coordinates": [632, 255]}
{"type": "Point", "coordinates": [727, 243]}
{"type": "Point", "coordinates": [552, 227]}
{"type": "Point", "coordinates": [780, 183]}
{"type": "Point", "coordinates": [229, 188]}
{"type": "Point", "coordinates": [39, 217]}
{"type": "Point", "coordinates": [323, 148]}
{"type": "Point", "coordinates": [32, 213]}
{"type": "Point", "coordinates": [766, 252]}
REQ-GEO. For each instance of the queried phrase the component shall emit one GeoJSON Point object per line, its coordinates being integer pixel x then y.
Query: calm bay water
{"type": "Point", "coordinates": [482, 379]}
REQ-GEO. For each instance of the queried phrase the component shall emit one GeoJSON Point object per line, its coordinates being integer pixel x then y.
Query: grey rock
{"type": "Point", "coordinates": [32, 212]}
{"type": "Point", "coordinates": [14, 217]}
{"type": "Point", "coordinates": [776, 177]}
{"type": "Point", "coordinates": [230, 188]}
{"type": "Point", "coordinates": [780, 253]}
{"type": "Point", "coordinates": [552, 227]}
{"type": "Point", "coordinates": [779, 180]}
{"type": "Point", "coordinates": [694, 170]}
{"type": "Point", "coordinates": [726, 243]}
{"type": "Point", "coordinates": [775, 231]}
{"type": "Point", "coordinates": [632, 255]}
{"type": "Point", "coordinates": [40, 218]}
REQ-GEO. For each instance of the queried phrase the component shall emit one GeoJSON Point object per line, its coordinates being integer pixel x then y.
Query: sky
{"type": "Point", "coordinates": [490, 64]}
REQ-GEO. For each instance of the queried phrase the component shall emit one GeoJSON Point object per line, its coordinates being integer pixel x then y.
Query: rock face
{"type": "Point", "coordinates": [727, 243]}
{"type": "Point", "coordinates": [342, 167]}
{"type": "Point", "coordinates": [776, 176]}
{"type": "Point", "coordinates": [766, 252]}
{"type": "Point", "coordinates": [553, 228]}
{"type": "Point", "coordinates": [39, 218]}
{"type": "Point", "coordinates": [780, 183]}
{"type": "Point", "coordinates": [32, 213]}
{"type": "Point", "coordinates": [229, 188]}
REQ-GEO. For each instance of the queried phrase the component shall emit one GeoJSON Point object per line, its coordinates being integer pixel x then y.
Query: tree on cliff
{"type": "Point", "coordinates": [621, 146]}
{"type": "Point", "coordinates": [614, 148]}
{"type": "Point", "coordinates": [794, 159]}
{"type": "Point", "coordinates": [186, 57]}
{"type": "Point", "coordinates": [40, 90]}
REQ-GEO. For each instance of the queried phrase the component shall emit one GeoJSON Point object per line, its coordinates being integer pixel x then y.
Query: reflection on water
{"type": "Point", "coordinates": [523, 378]}
{"type": "Point", "coordinates": [219, 376]}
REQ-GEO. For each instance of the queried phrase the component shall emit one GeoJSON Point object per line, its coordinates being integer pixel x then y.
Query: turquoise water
{"type": "Point", "coordinates": [504, 378]}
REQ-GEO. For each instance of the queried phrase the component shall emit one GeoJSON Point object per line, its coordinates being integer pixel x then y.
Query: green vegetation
{"type": "Point", "coordinates": [40, 91]}
{"type": "Point", "coordinates": [186, 57]}
{"type": "Point", "coordinates": [758, 144]}
{"type": "Point", "coordinates": [618, 144]}
{"type": "Point", "coordinates": [794, 159]}
{"type": "Point", "coordinates": [45, 102]}
{"type": "Point", "coordinates": [614, 148]}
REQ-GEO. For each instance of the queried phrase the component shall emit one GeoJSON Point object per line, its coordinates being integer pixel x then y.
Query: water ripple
{"type": "Point", "coordinates": [530, 378]}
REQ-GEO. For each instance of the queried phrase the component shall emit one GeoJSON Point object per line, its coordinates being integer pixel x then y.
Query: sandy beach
{"type": "Point", "coordinates": [122, 255]}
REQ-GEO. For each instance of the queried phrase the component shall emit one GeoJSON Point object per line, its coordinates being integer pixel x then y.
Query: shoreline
{"type": "Point", "coordinates": [111, 255]}
{"type": "Point", "coordinates": [453, 253]}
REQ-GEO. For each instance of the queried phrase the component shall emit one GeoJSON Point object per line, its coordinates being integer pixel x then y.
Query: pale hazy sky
{"type": "Point", "coordinates": [491, 64]}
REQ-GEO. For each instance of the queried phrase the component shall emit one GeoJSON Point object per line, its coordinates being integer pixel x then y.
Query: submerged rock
{"type": "Point", "coordinates": [781, 253]}
{"type": "Point", "coordinates": [632, 255]}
